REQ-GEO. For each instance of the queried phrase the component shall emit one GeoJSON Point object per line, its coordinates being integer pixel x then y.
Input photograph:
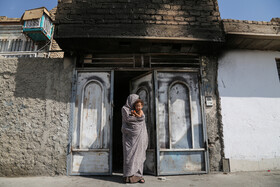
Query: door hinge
{"type": "Point", "coordinates": [69, 148]}
{"type": "Point", "coordinates": [206, 146]}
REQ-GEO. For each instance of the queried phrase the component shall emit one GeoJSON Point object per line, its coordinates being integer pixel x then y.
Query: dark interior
{"type": "Point", "coordinates": [121, 92]}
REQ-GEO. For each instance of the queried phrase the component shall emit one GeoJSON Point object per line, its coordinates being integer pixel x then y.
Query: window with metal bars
{"type": "Point", "coordinates": [47, 25]}
{"type": "Point", "coordinates": [141, 60]}
{"type": "Point", "coordinates": [33, 23]}
{"type": "Point", "coordinates": [11, 45]}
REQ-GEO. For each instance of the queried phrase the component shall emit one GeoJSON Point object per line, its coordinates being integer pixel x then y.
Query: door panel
{"type": "Point", "coordinates": [91, 142]}
{"type": "Point", "coordinates": [181, 162]}
{"type": "Point", "coordinates": [91, 115]}
{"type": "Point", "coordinates": [179, 124]}
{"type": "Point", "coordinates": [87, 163]}
{"type": "Point", "coordinates": [179, 116]}
{"type": "Point", "coordinates": [143, 86]}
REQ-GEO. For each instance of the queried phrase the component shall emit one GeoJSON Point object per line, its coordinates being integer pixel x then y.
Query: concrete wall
{"type": "Point", "coordinates": [34, 116]}
{"type": "Point", "coordinates": [212, 114]}
{"type": "Point", "coordinates": [249, 90]}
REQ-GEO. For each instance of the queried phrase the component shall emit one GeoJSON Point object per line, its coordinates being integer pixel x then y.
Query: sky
{"type": "Point", "coordinates": [255, 10]}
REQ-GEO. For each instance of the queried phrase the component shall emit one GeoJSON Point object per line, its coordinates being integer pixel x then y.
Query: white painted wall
{"type": "Point", "coordinates": [249, 89]}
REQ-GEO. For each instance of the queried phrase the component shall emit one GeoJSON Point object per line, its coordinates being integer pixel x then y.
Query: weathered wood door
{"type": "Point", "coordinates": [181, 143]}
{"type": "Point", "coordinates": [91, 149]}
{"type": "Point", "coordinates": [144, 87]}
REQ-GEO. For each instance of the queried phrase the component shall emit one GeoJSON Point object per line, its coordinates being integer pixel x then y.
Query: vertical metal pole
{"type": "Point", "coordinates": [202, 106]}
{"type": "Point", "coordinates": [134, 61]}
{"type": "Point", "coordinates": [157, 158]}
{"type": "Point", "coordinates": [150, 61]}
{"type": "Point", "coordinates": [111, 121]}
{"type": "Point", "coordinates": [142, 60]}
{"type": "Point", "coordinates": [190, 99]}
{"type": "Point", "coordinates": [169, 122]}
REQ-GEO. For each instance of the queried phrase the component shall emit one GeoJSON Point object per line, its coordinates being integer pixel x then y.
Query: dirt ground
{"type": "Point", "coordinates": [238, 179]}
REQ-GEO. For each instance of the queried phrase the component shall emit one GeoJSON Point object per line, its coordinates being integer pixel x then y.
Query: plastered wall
{"type": "Point", "coordinates": [249, 90]}
{"type": "Point", "coordinates": [34, 116]}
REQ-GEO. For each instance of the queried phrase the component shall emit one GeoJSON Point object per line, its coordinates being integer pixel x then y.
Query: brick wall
{"type": "Point", "coordinates": [55, 46]}
{"type": "Point", "coordinates": [155, 18]}
{"type": "Point", "coordinates": [258, 27]}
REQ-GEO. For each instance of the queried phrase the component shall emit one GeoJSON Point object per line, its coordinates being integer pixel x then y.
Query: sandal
{"type": "Point", "coordinates": [132, 179]}
{"type": "Point", "coordinates": [142, 180]}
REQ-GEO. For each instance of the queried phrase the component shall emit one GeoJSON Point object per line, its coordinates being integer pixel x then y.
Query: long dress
{"type": "Point", "coordinates": [135, 140]}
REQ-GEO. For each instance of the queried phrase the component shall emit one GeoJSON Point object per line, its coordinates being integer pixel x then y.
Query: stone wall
{"type": "Point", "coordinates": [129, 18]}
{"type": "Point", "coordinates": [34, 116]}
{"type": "Point", "coordinates": [213, 114]}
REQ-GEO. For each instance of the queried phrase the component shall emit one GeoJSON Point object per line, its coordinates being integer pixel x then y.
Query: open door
{"type": "Point", "coordinates": [91, 146]}
{"type": "Point", "coordinates": [177, 133]}
{"type": "Point", "coordinates": [181, 134]}
{"type": "Point", "coordinates": [144, 87]}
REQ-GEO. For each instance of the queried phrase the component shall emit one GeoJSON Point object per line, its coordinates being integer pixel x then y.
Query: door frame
{"type": "Point", "coordinates": [154, 71]}
{"type": "Point", "coordinates": [72, 115]}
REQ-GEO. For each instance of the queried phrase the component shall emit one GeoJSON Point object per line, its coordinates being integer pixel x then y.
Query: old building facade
{"type": "Point", "coordinates": [195, 72]}
{"type": "Point", "coordinates": [152, 48]}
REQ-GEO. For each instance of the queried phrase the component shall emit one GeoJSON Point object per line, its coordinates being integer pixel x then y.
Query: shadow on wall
{"type": "Point", "coordinates": [245, 73]}
{"type": "Point", "coordinates": [133, 19]}
{"type": "Point", "coordinates": [41, 78]}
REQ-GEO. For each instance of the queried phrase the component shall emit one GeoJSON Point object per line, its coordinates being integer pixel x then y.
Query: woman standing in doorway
{"type": "Point", "coordinates": [135, 139]}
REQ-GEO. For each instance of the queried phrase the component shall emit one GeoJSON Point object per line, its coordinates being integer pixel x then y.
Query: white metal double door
{"type": "Point", "coordinates": [177, 134]}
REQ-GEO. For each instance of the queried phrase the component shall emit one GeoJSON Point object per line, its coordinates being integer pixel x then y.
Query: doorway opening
{"type": "Point", "coordinates": [121, 92]}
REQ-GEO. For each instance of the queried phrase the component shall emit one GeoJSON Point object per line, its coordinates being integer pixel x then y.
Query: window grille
{"type": "Point", "coordinates": [141, 60]}
{"type": "Point", "coordinates": [4, 45]}
{"type": "Point", "coordinates": [15, 45]}
{"type": "Point", "coordinates": [47, 25]}
{"type": "Point", "coordinates": [33, 23]}
{"type": "Point", "coordinates": [19, 55]}
{"type": "Point", "coordinates": [10, 45]}
{"type": "Point", "coordinates": [112, 60]}
{"type": "Point", "coordinates": [29, 45]}
{"type": "Point", "coordinates": [170, 60]}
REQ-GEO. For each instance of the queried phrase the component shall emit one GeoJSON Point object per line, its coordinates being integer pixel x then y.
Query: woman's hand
{"type": "Point", "coordinates": [133, 113]}
{"type": "Point", "coordinates": [137, 114]}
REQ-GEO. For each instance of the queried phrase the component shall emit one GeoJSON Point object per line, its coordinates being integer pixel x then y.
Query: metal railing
{"type": "Point", "coordinates": [20, 54]}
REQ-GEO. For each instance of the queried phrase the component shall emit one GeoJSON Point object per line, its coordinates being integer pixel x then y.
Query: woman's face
{"type": "Point", "coordinates": [138, 106]}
